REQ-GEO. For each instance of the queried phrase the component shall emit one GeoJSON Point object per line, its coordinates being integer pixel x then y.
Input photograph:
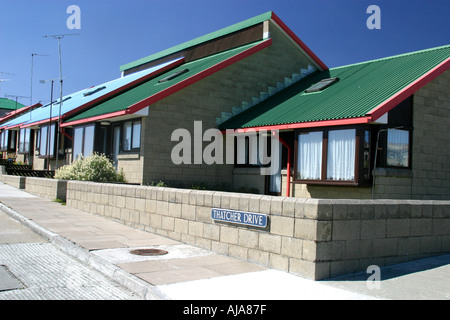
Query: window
{"type": "Point", "coordinates": [333, 156]}
{"type": "Point", "coordinates": [131, 136]}
{"type": "Point", "coordinates": [4, 140]}
{"type": "Point", "coordinates": [252, 150]}
{"type": "Point", "coordinates": [38, 139]}
{"type": "Point", "coordinates": [83, 141]}
{"type": "Point", "coordinates": [12, 140]}
{"type": "Point", "coordinates": [341, 154]}
{"type": "Point", "coordinates": [8, 140]}
{"type": "Point", "coordinates": [136, 141]}
{"type": "Point", "coordinates": [309, 156]}
{"type": "Point", "coordinates": [47, 143]}
{"type": "Point", "coordinates": [24, 140]}
{"type": "Point", "coordinates": [397, 154]}
{"type": "Point", "coordinates": [321, 85]}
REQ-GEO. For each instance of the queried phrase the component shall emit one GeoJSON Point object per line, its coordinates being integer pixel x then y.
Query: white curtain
{"type": "Point", "coordinates": [309, 165]}
{"type": "Point", "coordinates": [341, 155]}
{"type": "Point", "coordinates": [275, 179]}
{"type": "Point", "coordinates": [397, 148]}
{"type": "Point", "coordinates": [77, 142]}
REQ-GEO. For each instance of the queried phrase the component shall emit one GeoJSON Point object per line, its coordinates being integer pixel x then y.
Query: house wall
{"type": "Point", "coordinates": [430, 174]}
{"type": "Point", "coordinates": [429, 177]}
{"type": "Point", "coordinates": [204, 101]}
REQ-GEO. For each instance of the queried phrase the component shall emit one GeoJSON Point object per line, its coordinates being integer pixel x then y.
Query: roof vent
{"type": "Point", "coordinates": [173, 75]}
{"type": "Point", "coordinates": [93, 91]}
{"type": "Point", "coordinates": [321, 85]}
{"type": "Point", "coordinates": [64, 100]}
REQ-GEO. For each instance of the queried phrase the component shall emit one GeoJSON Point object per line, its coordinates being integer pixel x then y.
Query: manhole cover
{"type": "Point", "coordinates": [149, 252]}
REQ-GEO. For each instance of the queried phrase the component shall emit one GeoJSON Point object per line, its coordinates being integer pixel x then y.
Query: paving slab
{"type": "Point", "coordinates": [8, 281]}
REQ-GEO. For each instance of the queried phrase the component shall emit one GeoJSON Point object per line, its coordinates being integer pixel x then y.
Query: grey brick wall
{"type": "Point", "coordinates": [315, 238]}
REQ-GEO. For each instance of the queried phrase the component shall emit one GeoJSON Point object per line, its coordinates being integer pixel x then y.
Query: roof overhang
{"type": "Point", "coordinates": [394, 100]}
{"type": "Point", "coordinates": [268, 16]}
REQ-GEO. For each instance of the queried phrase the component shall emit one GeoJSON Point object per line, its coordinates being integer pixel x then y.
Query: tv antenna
{"type": "Point", "coordinates": [59, 37]}
{"type": "Point", "coordinates": [31, 81]}
{"type": "Point", "coordinates": [13, 96]}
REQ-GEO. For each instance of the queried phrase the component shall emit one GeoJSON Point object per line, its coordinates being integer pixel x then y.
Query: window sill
{"type": "Point", "coordinates": [329, 183]}
{"type": "Point", "coordinates": [393, 172]}
{"type": "Point", "coordinates": [128, 156]}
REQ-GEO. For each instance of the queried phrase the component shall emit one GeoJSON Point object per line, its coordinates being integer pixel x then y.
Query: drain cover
{"type": "Point", "coordinates": [149, 252]}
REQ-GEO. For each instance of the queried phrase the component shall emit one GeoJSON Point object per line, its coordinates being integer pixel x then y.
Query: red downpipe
{"type": "Point", "coordinates": [65, 133]}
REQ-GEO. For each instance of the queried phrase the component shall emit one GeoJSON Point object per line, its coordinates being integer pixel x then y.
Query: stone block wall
{"type": "Point", "coordinates": [15, 181]}
{"type": "Point", "coordinates": [47, 188]}
{"type": "Point", "coordinates": [315, 238]}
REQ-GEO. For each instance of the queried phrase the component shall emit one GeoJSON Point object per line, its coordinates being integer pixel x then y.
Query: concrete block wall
{"type": "Point", "coordinates": [431, 138]}
{"type": "Point", "coordinates": [15, 181]}
{"type": "Point", "coordinates": [315, 238]}
{"type": "Point", "coordinates": [47, 188]}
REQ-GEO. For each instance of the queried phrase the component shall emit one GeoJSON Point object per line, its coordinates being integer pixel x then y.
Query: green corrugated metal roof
{"type": "Point", "coordinates": [10, 104]}
{"type": "Point", "coordinates": [152, 87]}
{"type": "Point", "coordinates": [362, 87]}
{"type": "Point", "coordinates": [213, 35]}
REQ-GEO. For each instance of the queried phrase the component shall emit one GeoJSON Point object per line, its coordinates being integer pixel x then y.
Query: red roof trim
{"type": "Point", "coordinates": [53, 119]}
{"type": "Point", "coordinates": [96, 118]}
{"type": "Point", "coordinates": [11, 114]}
{"type": "Point", "coordinates": [167, 92]}
{"type": "Point", "coordinates": [125, 87]}
{"type": "Point", "coordinates": [199, 76]}
{"type": "Point", "coordinates": [314, 124]}
{"type": "Point", "coordinates": [394, 100]}
{"type": "Point", "coordinates": [297, 40]}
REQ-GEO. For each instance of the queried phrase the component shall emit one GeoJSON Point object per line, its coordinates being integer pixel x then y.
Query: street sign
{"type": "Point", "coordinates": [239, 217]}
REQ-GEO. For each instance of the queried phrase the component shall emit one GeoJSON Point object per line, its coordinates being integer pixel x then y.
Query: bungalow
{"type": "Point", "coordinates": [374, 129]}
{"type": "Point", "coordinates": [9, 142]}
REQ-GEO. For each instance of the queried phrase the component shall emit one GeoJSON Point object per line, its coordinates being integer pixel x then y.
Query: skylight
{"type": "Point", "coordinates": [173, 75]}
{"type": "Point", "coordinates": [93, 91]}
{"type": "Point", "coordinates": [322, 84]}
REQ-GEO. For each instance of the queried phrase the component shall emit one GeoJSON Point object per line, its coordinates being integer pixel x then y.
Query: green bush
{"type": "Point", "coordinates": [96, 167]}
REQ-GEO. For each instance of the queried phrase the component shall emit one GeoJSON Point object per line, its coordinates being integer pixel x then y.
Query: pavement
{"type": "Point", "coordinates": [185, 272]}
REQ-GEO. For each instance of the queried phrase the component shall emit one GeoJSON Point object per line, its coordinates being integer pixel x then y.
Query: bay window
{"type": "Point", "coordinates": [4, 140]}
{"type": "Point", "coordinates": [309, 156]}
{"type": "Point", "coordinates": [341, 155]}
{"type": "Point", "coordinates": [47, 143]}
{"type": "Point", "coordinates": [8, 140]}
{"type": "Point", "coordinates": [333, 156]}
{"type": "Point", "coordinates": [83, 141]}
{"type": "Point", "coordinates": [24, 140]}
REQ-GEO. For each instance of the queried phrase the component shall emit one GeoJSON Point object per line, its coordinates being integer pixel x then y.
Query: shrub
{"type": "Point", "coordinates": [96, 167]}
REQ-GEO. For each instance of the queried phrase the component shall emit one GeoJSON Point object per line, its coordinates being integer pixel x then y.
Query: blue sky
{"type": "Point", "coordinates": [114, 33]}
